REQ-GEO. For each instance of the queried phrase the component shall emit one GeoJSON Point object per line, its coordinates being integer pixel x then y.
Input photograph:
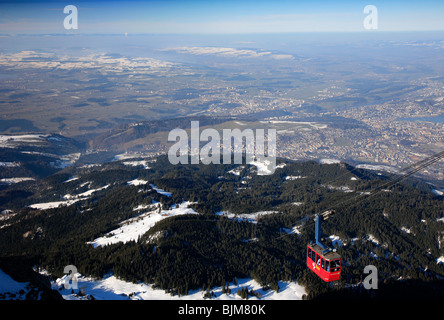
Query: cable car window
{"type": "Point", "coordinates": [327, 265]}
{"type": "Point", "coordinates": [322, 264]}
{"type": "Point", "coordinates": [318, 261]}
{"type": "Point", "coordinates": [335, 264]}
{"type": "Point", "coordinates": [309, 253]}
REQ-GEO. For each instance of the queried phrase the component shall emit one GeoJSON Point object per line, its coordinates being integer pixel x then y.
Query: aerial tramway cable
{"type": "Point", "coordinates": [325, 262]}
{"type": "Point", "coordinates": [393, 179]}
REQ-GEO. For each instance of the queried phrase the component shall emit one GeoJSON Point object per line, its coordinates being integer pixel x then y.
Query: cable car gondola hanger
{"type": "Point", "coordinates": [322, 260]}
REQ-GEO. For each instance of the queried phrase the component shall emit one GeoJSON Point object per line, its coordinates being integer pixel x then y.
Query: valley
{"type": "Point", "coordinates": [85, 180]}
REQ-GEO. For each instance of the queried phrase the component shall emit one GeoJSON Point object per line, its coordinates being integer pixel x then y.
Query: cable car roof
{"type": "Point", "coordinates": [330, 255]}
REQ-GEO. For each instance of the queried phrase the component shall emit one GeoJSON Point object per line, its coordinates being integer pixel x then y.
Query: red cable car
{"type": "Point", "coordinates": [323, 261]}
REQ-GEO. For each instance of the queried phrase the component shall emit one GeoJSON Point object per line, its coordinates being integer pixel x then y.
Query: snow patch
{"type": "Point", "coordinates": [281, 165]}
{"type": "Point", "coordinates": [142, 163]}
{"type": "Point", "coordinates": [15, 180]}
{"type": "Point", "coordinates": [9, 164]}
{"type": "Point", "coordinates": [66, 160]}
{"type": "Point", "coordinates": [12, 141]}
{"type": "Point", "coordinates": [161, 191]}
{"type": "Point", "coordinates": [11, 288]}
{"type": "Point", "coordinates": [137, 182]}
{"type": "Point", "coordinates": [336, 241]}
{"type": "Point", "coordinates": [294, 230]}
{"type": "Point", "coordinates": [73, 178]}
{"type": "Point", "coordinates": [372, 238]}
{"type": "Point", "coordinates": [377, 168]}
{"type": "Point", "coordinates": [133, 228]}
{"type": "Point", "coordinates": [340, 188]}
{"type": "Point", "coordinates": [329, 161]}
{"type": "Point", "coordinates": [249, 217]}
{"type": "Point", "coordinates": [294, 177]}
{"type": "Point", "coordinates": [406, 230]}
{"type": "Point", "coordinates": [264, 168]}
{"type": "Point", "coordinates": [85, 194]}
{"type": "Point", "coordinates": [236, 171]}
{"type": "Point", "coordinates": [69, 200]}
{"type": "Point", "coordinates": [113, 288]}
{"type": "Point", "coordinates": [142, 207]}
{"type": "Point", "coordinates": [54, 204]}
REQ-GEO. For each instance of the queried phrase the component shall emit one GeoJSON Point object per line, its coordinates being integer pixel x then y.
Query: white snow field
{"type": "Point", "coordinates": [11, 289]}
{"type": "Point", "coordinates": [161, 191]}
{"type": "Point", "coordinates": [250, 217]}
{"type": "Point", "coordinates": [137, 182]}
{"type": "Point", "coordinates": [69, 200]}
{"type": "Point", "coordinates": [53, 204]}
{"type": "Point", "coordinates": [112, 288]}
{"type": "Point", "coordinates": [131, 229]}
{"type": "Point", "coordinates": [15, 180]}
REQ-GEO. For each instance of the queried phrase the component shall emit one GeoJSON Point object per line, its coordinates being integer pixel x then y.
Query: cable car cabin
{"type": "Point", "coordinates": [327, 266]}
{"type": "Point", "coordinates": [323, 261]}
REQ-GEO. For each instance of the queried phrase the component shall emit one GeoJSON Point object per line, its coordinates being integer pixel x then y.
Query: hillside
{"type": "Point", "coordinates": [146, 135]}
{"type": "Point", "coordinates": [34, 156]}
{"type": "Point", "coordinates": [195, 227]}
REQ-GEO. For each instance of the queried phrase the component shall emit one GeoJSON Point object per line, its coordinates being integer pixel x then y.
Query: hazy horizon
{"type": "Point", "coordinates": [218, 17]}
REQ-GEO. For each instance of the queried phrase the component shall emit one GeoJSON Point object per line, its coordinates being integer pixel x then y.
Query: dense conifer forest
{"type": "Point", "coordinates": [397, 230]}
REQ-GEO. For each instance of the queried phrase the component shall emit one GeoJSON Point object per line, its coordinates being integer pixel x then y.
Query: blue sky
{"type": "Point", "coordinates": [219, 17]}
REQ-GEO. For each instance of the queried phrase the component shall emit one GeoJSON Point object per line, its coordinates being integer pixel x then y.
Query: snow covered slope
{"type": "Point", "coordinates": [112, 288]}
{"type": "Point", "coordinates": [11, 289]}
{"type": "Point", "coordinates": [131, 229]}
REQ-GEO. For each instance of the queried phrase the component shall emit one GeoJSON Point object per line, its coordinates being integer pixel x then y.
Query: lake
{"type": "Point", "coordinates": [437, 119]}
